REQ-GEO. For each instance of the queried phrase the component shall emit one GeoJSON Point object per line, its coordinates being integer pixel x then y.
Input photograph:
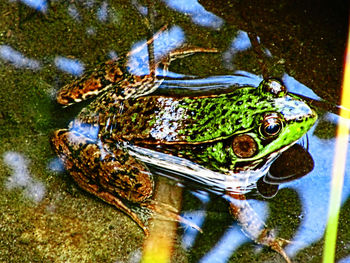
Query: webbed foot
{"type": "Point", "coordinates": [268, 238]}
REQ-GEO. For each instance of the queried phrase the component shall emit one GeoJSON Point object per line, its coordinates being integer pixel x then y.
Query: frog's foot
{"type": "Point", "coordinates": [167, 212]}
{"type": "Point", "coordinates": [134, 86]}
{"type": "Point", "coordinates": [267, 238]}
{"type": "Point", "coordinates": [139, 216]}
{"type": "Point", "coordinates": [254, 227]}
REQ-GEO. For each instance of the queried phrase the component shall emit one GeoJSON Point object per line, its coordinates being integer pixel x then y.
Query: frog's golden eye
{"type": "Point", "coordinates": [271, 125]}
{"type": "Point", "coordinates": [274, 86]}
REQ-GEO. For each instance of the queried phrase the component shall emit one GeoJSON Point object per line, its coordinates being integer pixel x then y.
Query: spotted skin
{"type": "Point", "coordinates": [116, 75]}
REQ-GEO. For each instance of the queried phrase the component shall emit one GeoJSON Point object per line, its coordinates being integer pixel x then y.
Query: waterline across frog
{"type": "Point", "coordinates": [125, 128]}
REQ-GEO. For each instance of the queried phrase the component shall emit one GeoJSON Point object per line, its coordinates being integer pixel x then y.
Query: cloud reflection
{"type": "Point", "coordinates": [240, 42]}
{"type": "Point", "coordinates": [39, 5]}
{"type": "Point", "coordinates": [17, 59]}
{"type": "Point", "coordinates": [163, 44]}
{"type": "Point", "coordinates": [74, 13]}
{"type": "Point", "coordinates": [196, 217]}
{"type": "Point", "coordinates": [345, 260]}
{"type": "Point", "coordinates": [72, 66]}
{"type": "Point", "coordinates": [21, 178]}
{"type": "Point", "coordinates": [232, 239]}
{"type": "Point", "coordinates": [102, 12]}
{"type": "Point", "coordinates": [197, 12]}
{"type": "Point", "coordinates": [296, 87]}
{"type": "Point", "coordinates": [141, 8]}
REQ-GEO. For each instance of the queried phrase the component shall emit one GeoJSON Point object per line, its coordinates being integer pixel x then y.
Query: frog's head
{"type": "Point", "coordinates": [279, 120]}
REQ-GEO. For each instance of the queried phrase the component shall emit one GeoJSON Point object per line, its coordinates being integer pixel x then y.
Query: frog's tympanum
{"type": "Point", "coordinates": [230, 134]}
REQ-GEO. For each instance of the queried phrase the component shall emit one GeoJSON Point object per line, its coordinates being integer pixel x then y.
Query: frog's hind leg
{"type": "Point", "coordinates": [113, 176]}
{"type": "Point", "coordinates": [254, 227]}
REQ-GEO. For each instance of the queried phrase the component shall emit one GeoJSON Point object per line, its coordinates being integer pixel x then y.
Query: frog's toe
{"type": "Point", "coordinates": [167, 212]}
{"type": "Point", "coordinates": [268, 238]}
{"type": "Point", "coordinates": [278, 245]}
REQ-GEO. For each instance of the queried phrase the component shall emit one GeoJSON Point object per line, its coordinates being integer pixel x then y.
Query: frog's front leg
{"type": "Point", "coordinates": [110, 174]}
{"type": "Point", "coordinates": [253, 226]}
{"type": "Point", "coordinates": [135, 85]}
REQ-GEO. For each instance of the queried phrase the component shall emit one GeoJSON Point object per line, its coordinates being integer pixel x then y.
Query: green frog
{"type": "Point", "coordinates": [228, 137]}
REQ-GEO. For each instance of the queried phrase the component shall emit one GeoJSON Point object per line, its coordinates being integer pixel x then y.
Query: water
{"type": "Point", "coordinates": [44, 44]}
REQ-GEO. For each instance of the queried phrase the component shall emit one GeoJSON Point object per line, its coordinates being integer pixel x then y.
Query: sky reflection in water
{"type": "Point", "coordinates": [72, 66]}
{"type": "Point", "coordinates": [197, 13]}
{"type": "Point", "coordinates": [17, 59]}
{"type": "Point", "coordinates": [167, 41]}
{"type": "Point", "coordinates": [102, 12]}
{"type": "Point", "coordinates": [21, 177]}
{"type": "Point", "coordinates": [39, 5]}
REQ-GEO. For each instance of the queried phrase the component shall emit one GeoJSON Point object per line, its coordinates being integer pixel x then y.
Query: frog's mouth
{"type": "Point", "coordinates": [240, 182]}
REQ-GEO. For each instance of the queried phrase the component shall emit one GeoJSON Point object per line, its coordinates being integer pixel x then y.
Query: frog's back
{"type": "Point", "coordinates": [167, 120]}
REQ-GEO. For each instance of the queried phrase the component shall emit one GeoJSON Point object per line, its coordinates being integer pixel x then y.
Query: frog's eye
{"type": "Point", "coordinates": [271, 125]}
{"type": "Point", "coordinates": [244, 146]}
{"type": "Point", "coordinates": [274, 86]}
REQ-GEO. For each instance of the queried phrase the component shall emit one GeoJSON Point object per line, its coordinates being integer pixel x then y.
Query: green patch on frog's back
{"type": "Point", "coordinates": [222, 116]}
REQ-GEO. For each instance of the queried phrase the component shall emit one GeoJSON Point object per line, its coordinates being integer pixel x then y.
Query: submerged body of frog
{"type": "Point", "coordinates": [108, 146]}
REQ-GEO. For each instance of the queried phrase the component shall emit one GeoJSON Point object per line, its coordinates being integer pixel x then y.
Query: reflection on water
{"type": "Point", "coordinates": [102, 12]}
{"type": "Point", "coordinates": [296, 87]}
{"type": "Point", "coordinates": [71, 66]}
{"type": "Point", "coordinates": [17, 59]}
{"type": "Point", "coordinates": [143, 10]}
{"type": "Point", "coordinates": [197, 217]}
{"type": "Point", "coordinates": [197, 12]}
{"type": "Point", "coordinates": [21, 177]}
{"type": "Point", "coordinates": [231, 240]}
{"type": "Point", "coordinates": [193, 84]}
{"type": "Point", "coordinates": [312, 190]}
{"type": "Point", "coordinates": [164, 43]}
{"type": "Point", "coordinates": [241, 42]}
{"type": "Point", "coordinates": [74, 13]}
{"type": "Point", "coordinates": [291, 165]}
{"type": "Point", "coordinates": [344, 260]}
{"type": "Point", "coordinates": [39, 5]}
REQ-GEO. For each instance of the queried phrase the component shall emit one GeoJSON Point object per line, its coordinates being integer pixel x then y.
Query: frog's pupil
{"type": "Point", "coordinates": [272, 129]}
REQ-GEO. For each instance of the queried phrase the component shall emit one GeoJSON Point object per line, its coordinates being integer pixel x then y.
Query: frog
{"type": "Point", "coordinates": [127, 127]}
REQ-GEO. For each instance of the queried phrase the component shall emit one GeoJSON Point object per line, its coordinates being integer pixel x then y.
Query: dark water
{"type": "Point", "coordinates": [44, 45]}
